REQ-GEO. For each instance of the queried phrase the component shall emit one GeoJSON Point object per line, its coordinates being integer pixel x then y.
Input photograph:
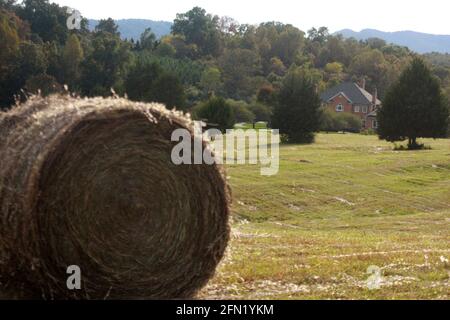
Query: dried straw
{"type": "Point", "coordinates": [91, 183]}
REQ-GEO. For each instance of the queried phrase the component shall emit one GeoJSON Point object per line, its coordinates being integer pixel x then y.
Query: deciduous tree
{"type": "Point", "coordinates": [201, 29]}
{"type": "Point", "coordinates": [72, 57]}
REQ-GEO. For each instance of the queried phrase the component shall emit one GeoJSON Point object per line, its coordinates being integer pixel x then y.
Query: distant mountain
{"type": "Point", "coordinates": [133, 28]}
{"type": "Point", "coordinates": [416, 41]}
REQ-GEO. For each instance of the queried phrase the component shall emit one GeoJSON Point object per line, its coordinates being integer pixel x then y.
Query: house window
{"type": "Point", "coordinates": [364, 124]}
{"type": "Point", "coordinates": [339, 107]}
{"type": "Point", "coordinates": [357, 109]}
{"type": "Point", "coordinates": [364, 109]}
{"type": "Point", "coordinates": [374, 124]}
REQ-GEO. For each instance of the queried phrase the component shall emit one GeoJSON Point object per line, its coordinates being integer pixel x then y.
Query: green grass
{"type": "Point", "coordinates": [337, 207]}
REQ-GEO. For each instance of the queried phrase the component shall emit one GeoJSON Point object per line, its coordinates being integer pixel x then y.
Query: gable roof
{"type": "Point", "coordinates": [352, 92]}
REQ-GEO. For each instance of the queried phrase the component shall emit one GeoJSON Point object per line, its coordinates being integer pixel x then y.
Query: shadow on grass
{"type": "Point", "coordinates": [415, 147]}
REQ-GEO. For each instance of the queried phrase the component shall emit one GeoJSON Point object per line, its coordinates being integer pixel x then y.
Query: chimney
{"type": "Point", "coordinates": [363, 83]}
{"type": "Point", "coordinates": [375, 98]}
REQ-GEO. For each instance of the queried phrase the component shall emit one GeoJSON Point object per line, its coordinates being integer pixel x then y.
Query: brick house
{"type": "Point", "coordinates": [352, 98]}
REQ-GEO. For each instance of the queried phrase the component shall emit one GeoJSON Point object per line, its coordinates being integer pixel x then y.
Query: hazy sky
{"type": "Point", "coordinates": [431, 16]}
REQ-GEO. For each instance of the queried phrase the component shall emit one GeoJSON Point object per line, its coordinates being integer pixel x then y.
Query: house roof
{"type": "Point", "coordinates": [352, 92]}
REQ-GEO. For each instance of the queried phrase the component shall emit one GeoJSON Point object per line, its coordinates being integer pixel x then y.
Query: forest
{"type": "Point", "coordinates": [205, 55]}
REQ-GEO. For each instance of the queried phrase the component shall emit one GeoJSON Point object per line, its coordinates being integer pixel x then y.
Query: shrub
{"type": "Point", "coordinates": [261, 111]}
{"type": "Point", "coordinates": [241, 110]}
{"type": "Point", "coordinates": [216, 111]}
{"type": "Point", "coordinates": [334, 122]}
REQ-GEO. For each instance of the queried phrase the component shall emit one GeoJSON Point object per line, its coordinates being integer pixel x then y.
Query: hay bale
{"type": "Point", "coordinates": [91, 183]}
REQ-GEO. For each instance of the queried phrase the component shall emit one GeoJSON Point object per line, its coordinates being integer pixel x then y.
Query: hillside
{"type": "Point", "coordinates": [248, 67]}
{"type": "Point", "coordinates": [416, 41]}
{"type": "Point", "coordinates": [133, 28]}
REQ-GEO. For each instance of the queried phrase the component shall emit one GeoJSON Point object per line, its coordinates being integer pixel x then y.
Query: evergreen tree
{"type": "Point", "coordinates": [149, 82]}
{"type": "Point", "coordinates": [169, 90]}
{"type": "Point", "coordinates": [297, 112]}
{"type": "Point", "coordinates": [414, 107]}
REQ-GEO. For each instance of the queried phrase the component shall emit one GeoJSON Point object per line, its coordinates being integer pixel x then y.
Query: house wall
{"type": "Point", "coordinates": [370, 123]}
{"type": "Point", "coordinates": [362, 114]}
{"type": "Point", "coordinates": [340, 99]}
{"type": "Point", "coordinates": [349, 108]}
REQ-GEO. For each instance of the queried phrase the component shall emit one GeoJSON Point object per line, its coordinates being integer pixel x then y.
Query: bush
{"type": "Point", "coordinates": [352, 122]}
{"type": "Point", "coordinates": [216, 111]}
{"type": "Point", "coordinates": [261, 111]}
{"type": "Point", "coordinates": [369, 132]}
{"type": "Point", "coordinates": [334, 122]}
{"type": "Point", "coordinates": [241, 110]}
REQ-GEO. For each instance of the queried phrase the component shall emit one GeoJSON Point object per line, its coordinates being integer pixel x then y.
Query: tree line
{"type": "Point", "coordinates": [255, 72]}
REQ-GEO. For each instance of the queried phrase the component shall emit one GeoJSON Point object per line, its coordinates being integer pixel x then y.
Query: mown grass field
{"type": "Point", "coordinates": [337, 207]}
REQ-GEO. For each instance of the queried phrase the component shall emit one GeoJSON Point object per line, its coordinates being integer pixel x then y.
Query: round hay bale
{"type": "Point", "coordinates": [90, 182]}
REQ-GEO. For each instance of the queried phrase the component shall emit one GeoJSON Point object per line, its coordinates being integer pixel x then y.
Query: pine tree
{"type": "Point", "coordinates": [149, 82]}
{"type": "Point", "coordinates": [297, 112]}
{"type": "Point", "coordinates": [414, 107]}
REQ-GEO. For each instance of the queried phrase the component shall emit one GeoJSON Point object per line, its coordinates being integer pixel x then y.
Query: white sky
{"type": "Point", "coordinates": [430, 16]}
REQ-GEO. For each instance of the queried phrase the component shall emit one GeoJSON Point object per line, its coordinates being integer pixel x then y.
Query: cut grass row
{"type": "Point", "coordinates": [337, 207]}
